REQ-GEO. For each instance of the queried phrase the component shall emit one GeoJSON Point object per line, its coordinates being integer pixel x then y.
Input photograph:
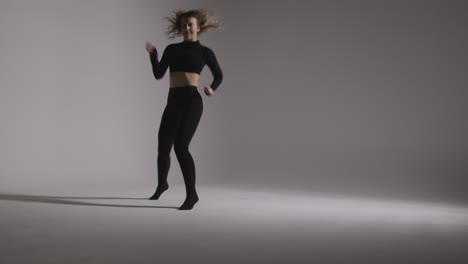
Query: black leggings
{"type": "Point", "coordinates": [178, 125]}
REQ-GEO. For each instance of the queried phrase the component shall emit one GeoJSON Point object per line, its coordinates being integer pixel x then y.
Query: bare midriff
{"type": "Point", "coordinates": [179, 79]}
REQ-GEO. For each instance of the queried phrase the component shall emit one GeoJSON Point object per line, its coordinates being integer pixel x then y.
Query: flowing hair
{"type": "Point", "coordinates": [206, 20]}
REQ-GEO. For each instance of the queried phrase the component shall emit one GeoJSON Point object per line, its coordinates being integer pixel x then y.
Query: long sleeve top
{"type": "Point", "coordinates": [187, 56]}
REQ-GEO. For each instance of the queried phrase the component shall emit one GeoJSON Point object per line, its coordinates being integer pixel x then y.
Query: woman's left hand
{"type": "Point", "coordinates": [208, 91]}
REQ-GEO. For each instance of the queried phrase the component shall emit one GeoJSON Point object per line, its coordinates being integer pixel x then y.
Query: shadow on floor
{"type": "Point", "coordinates": [64, 200]}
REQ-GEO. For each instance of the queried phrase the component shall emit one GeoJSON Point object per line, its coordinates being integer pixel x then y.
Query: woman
{"type": "Point", "coordinates": [184, 107]}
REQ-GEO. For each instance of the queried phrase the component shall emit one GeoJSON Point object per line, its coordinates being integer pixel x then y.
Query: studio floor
{"type": "Point", "coordinates": [227, 225]}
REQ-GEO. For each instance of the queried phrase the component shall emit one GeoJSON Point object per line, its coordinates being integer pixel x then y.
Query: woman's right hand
{"type": "Point", "coordinates": [149, 47]}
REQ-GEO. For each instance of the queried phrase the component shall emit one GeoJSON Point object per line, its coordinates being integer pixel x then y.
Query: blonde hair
{"type": "Point", "coordinates": [205, 18]}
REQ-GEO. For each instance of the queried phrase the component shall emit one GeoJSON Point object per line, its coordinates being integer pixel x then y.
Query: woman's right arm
{"type": "Point", "coordinates": [159, 67]}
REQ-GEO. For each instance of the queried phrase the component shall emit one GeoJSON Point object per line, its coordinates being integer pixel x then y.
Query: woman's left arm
{"type": "Point", "coordinates": [212, 63]}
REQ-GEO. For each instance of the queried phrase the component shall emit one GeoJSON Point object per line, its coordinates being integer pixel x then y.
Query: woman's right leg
{"type": "Point", "coordinates": [170, 121]}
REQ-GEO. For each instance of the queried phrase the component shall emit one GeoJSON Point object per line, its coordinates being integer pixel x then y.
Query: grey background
{"type": "Point", "coordinates": [349, 97]}
{"type": "Point", "coordinates": [337, 136]}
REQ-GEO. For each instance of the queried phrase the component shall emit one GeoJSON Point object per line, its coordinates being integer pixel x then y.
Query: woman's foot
{"type": "Point", "coordinates": [159, 191]}
{"type": "Point", "coordinates": [189, 202]}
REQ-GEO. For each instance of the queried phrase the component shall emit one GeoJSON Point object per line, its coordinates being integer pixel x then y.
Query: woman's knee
{"type": "Point", "coordinates": [180, 148]}
{"type": "Point", "coordinates": [164, 149]}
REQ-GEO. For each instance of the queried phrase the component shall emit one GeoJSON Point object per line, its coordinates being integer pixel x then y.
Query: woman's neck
{"type": "Point", "coordinates": [190, 40]}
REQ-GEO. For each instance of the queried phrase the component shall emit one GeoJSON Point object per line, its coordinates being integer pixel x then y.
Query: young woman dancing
{"type": "Point", "coordinates": [184, 107]}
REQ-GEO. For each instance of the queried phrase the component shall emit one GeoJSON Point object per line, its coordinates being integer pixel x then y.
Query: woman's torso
{"type": "Point", "coordinates": [187, 61]}
{"type": "Point", "coordinates": [178, 79]}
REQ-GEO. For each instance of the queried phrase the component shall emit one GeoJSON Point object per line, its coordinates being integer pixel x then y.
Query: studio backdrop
{"type": "Point", "coordinates": [364, 98]}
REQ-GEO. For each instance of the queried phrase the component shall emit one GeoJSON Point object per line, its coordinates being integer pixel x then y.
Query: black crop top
{"type": "Point", "coordinates": [187, 56]}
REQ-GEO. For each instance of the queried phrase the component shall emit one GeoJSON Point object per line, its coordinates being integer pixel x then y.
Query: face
{"type": "Point", "coordinates": [190, 28]}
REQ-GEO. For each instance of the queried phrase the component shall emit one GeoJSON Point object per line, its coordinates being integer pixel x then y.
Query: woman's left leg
{"type": "Point", "coordinates": [184, 135]}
